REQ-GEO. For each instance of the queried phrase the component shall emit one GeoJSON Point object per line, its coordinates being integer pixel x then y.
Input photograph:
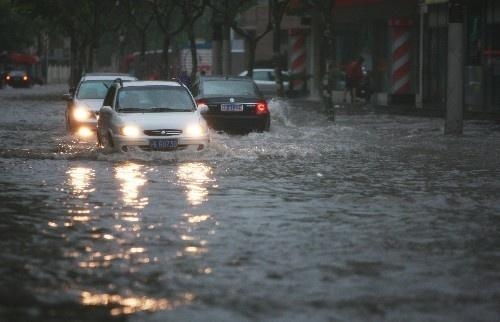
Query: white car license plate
{"type": "Point", "coordinates": [231, 108]}
{"type": "Point", "coordinates": [164, 144]}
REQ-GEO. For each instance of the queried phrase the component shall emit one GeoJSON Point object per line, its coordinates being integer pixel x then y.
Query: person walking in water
{"type": "Point", "coordinates": [354, 76]}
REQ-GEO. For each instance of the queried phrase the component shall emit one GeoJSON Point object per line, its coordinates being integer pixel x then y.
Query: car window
{"type": "Point", "coordinates": [261, 75]}
{"type": "Point", "coordinates": [154, 98]}
{"type": "Point", "coordinates": [228, 88]}
{"type": "Point", "coordinates": [93, 89]}
{"type": "Point", "coordinates": [17, 73]}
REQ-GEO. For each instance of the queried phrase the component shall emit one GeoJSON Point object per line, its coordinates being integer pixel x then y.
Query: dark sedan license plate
{"type": "Point", "coordinates": [231, 108]}
{"type": "Point", "coordinates": [165, 144]}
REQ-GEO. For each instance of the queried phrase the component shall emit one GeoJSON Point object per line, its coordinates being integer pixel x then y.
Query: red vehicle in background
{"type": "Point", "coordinates": [18, 78]}
{"type": "Point", "coordinates": [20, 70]}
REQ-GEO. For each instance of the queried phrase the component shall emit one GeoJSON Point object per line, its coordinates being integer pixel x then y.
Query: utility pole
{"type": "Point", "coordinates": [455, 90]}
{"type": "Point", "coordinates": [419, 98]}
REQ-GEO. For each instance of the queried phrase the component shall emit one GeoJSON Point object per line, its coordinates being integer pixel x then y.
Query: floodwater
{"type": "Point", "coordinates": [373, 217]}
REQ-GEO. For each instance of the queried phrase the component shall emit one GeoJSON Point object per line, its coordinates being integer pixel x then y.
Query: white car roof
{"type": "Point", "coordinates": [151, 83]}
{"type": "Point", "coordinates": [264, 70]}
{"type": "Point", "coordinates": [125, 77]}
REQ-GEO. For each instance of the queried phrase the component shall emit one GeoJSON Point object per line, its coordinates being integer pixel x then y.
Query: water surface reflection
{"type": "Point", "coordinates": [195, 177]}
{"type": "Point", "coordinates": [132, 178]}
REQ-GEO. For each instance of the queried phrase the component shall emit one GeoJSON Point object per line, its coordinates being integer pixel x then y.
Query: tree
{"type": "Point", "coordinates": [324, 10]}
{"type": "Point", "coordinates": [277, 8]}
{"type": "Point", "coordinates": [140, 14]}
{"type": "Point", "coordinates": [192, 10]}
{"type": "Point", "coordinates": [17, 30]}
{"type": "Point", "coordinates": [167, 17]}
{"type": "Point", "coordinates": [82, 20]}
{"type": "Point", "coordinates": [223, 18]}
{"type": "Point", "coordinates": [252, 39]}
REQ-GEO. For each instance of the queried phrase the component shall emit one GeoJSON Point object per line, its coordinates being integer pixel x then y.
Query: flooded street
{"type": "Point", "coordinates": [373, 217]}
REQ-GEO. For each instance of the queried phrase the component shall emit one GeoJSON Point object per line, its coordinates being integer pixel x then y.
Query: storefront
{"type": "Point", "coordinates": [385, 33]}
{"type": "Point", "coordinates": [481, 54]}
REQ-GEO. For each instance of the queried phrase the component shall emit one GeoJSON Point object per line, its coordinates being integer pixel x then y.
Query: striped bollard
{"type": "Point", "coordinates": [401, 47]}
{"type": "Point", "coordinates": [298, 57]}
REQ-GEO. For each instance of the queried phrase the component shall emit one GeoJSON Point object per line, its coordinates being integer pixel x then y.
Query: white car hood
{"type": "Point", "coordinates": [93, 104]}
{"type": "Point", "coordinates": [167, 120]}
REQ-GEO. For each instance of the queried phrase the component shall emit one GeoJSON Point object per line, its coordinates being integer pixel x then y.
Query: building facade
{"type": "Point", "coordinates": [405, 47]}
{"type": "Point", "coordinates": [481, 26]}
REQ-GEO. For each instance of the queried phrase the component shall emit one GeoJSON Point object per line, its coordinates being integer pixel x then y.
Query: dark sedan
{"type": "Point", "coordinates": [18, 78]}
{"type": "Point", "coordinates": [235, 104]}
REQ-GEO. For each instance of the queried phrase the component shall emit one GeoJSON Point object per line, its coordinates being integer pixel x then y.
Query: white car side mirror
{"type": "Point", "coordinates": [106, 109]}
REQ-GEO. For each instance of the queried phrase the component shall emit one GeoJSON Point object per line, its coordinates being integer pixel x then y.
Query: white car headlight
{"type": "Point", "coordinates": [195, 130]}
{"type": "Point", "coordinates": [84, 132]}
{"type": "Point", "coordinates": [81, 113]}
{"type": "Point", "coordinates": [130, 130]}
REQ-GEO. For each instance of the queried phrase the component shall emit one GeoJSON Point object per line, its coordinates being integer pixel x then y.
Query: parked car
{"type": "Point", "coordinates": [18, 78]}
{"type": "Point", "coordinates": [266, 80]}
{"type": "Point", "coordinates": [151, 116]}
{"type": "Point", "coordinates": [235, 104]}
{"type": "Point", "coordinates": [85, 100]}
{"type": "Point", "coordinates": [2, 79]}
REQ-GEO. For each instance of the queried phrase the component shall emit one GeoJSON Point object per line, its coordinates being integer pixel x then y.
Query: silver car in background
{"type": "Point", "coordinates": [85, 100]}
{"type": "Point", "coordinates": [266, 80]}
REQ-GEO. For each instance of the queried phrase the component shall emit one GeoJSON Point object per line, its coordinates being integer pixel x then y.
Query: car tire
{"type": "Point", "coordinates": [99, 141]}
{"type": "Point", "coordinates": [69, 128]}
{"type": "Point", "coordinates": [106, 141]}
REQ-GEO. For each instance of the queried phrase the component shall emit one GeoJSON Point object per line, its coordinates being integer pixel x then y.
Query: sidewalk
{"type": "Point", "coordinates": [370, 108]}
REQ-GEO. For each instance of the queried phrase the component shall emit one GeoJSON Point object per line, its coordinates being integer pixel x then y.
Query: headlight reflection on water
{"type": "Point", "coordinates": [122, 305]}
{"type": "Point", "coordinates": [132, 178]}
{"type": "Point", "coordinates": [195, 177]}
{"type": "Point", "coordinates": [80, 181]}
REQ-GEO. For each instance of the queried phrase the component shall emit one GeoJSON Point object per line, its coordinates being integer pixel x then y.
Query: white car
{"type": "Point", "coordinates": [266, 80]}
{"type": "Point", "coordinates": [151, 116]}
{"type": "Point", "coordinates": [85, 100]}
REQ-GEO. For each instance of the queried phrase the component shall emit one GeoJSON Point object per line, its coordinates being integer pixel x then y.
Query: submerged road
{"type": "Point", "coordinates": [373, 217]}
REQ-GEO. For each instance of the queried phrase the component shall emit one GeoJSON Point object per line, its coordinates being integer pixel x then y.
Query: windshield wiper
{"type": "Point", "coordinates": [131, 109]}
{"type": "Point", "coordinates": [168, 109]}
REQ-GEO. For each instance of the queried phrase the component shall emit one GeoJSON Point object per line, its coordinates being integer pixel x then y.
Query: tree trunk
{"type": "Point", "coordinates": [252, 47]}
{"type": "Point", "coordinates": [194, 53]}
{"type": "Point", "coordinates": [329, 58]}
{"type": "Point", "coordinates": [72, 81]}
{"type": "Point", "coordinates": [216, 45]}
{"type": "Point", "coordinates": [226, 50]}
{"type": "Point", "coordinates": [277, 58]}
{"type": "Point", "coordinates": [165, 72]}
{"type": "Point", "coordinates": [142, 59]}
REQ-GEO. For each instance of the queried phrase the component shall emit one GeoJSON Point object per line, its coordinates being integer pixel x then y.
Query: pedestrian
{"type": "Point", "coordinates": [353, 78]}
{"type": "Point", "coordinates": [184, 78]}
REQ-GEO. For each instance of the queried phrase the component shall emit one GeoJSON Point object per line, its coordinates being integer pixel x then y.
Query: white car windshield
{"type": "Point", "coordinates": [93, 89]}
{"type": "Point", "coordinates": [154, 98]}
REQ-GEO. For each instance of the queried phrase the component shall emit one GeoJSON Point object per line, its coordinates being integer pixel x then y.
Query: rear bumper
{"type": "Point", "coordinates": [238, 122]}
